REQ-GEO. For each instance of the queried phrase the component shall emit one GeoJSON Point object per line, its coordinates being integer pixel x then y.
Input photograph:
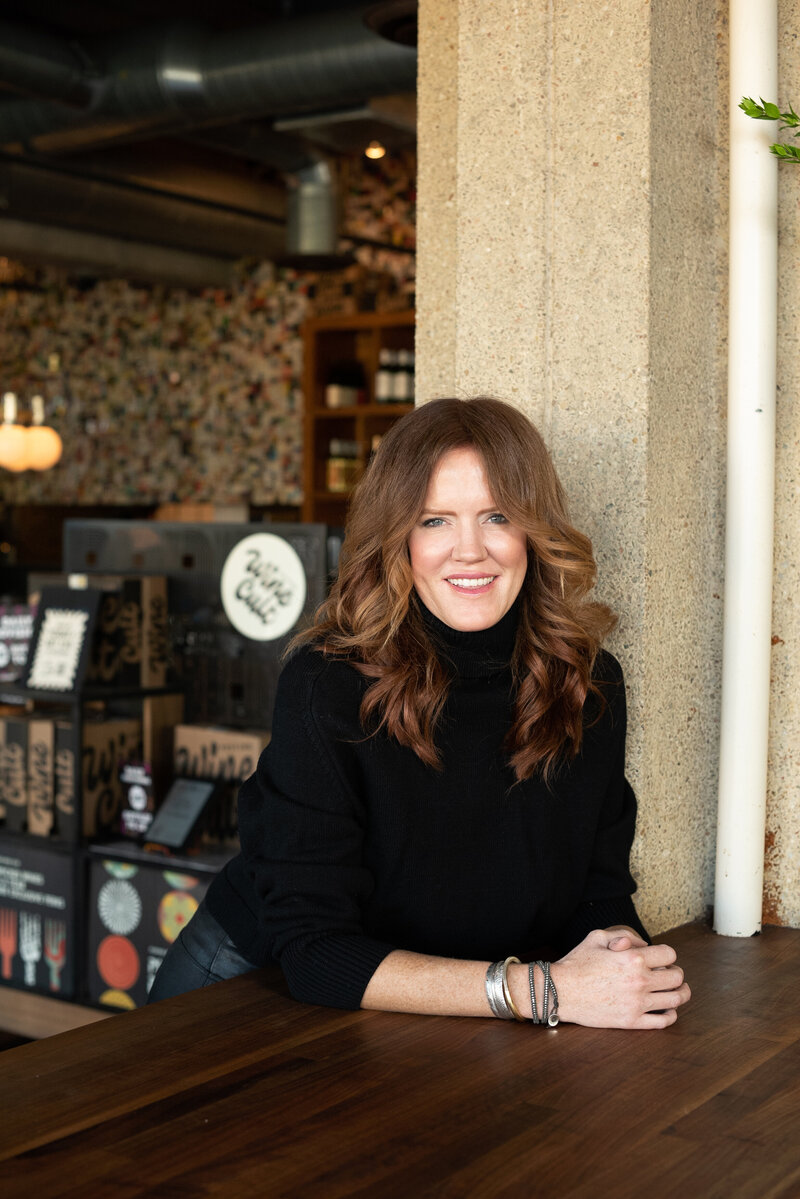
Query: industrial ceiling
{"type": "Point", "coordinates": [186, 134]}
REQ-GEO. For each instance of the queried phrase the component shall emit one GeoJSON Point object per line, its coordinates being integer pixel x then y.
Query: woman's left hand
{"type": "Point", "coordinates": [636, 985]}
{"type": "Point", "coordinates": [626, 938]}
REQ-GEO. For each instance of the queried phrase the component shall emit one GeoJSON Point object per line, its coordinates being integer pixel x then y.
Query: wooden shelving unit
{"type": "Point", "coordinates": [328, 341]}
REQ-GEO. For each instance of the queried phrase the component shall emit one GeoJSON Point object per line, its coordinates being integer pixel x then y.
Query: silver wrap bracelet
{"type": "Point", "coordinates": [549, 1014]}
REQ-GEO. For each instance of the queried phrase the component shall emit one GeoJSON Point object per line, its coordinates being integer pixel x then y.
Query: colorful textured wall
{"type": "Point", "coordinates": [162, 394]}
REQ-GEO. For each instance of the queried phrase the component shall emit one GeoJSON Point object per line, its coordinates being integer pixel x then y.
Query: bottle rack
{"type": "Point", "coordinates": [327, 342]}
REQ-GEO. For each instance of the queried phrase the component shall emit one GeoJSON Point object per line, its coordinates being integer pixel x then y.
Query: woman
{"type": "Point", "coordinates": [444, 791]}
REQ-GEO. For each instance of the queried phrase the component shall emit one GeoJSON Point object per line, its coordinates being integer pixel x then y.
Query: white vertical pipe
{"type": "Point", "coordinates": [751, 474]}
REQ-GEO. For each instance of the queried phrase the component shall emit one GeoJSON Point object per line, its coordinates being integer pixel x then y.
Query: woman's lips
{"type": "Point", "coordinates": [471, 584]}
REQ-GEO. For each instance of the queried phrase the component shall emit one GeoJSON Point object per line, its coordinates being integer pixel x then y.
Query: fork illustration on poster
{"type": "Point", "coordinates": [8, 939]}
{"type": "Point", "coordinates": [30, 944]}
{"type": "Point", "coordinates": [55, 950]}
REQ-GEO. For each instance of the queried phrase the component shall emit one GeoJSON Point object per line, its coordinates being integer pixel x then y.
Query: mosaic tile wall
{"type": "Point", "coordinates": [162, 394]}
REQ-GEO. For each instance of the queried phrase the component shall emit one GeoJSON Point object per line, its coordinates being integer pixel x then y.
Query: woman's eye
{"type": "Point", "coordinates": [497, 518]}
{"type": "Point", "coordinates": [432, 522]}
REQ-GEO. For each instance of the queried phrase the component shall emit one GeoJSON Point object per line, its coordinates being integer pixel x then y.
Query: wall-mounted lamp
{"type": "Point", "coordinates": [36, 448]}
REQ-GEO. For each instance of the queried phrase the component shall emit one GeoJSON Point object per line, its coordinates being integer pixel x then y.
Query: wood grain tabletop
{"type": "Point", "coordinates": [237, 1090]}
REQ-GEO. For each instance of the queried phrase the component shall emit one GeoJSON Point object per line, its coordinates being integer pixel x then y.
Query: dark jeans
{"type": "Point", "coordinates": [202, 954]}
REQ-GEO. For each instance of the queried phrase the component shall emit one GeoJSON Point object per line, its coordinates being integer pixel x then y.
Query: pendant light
{"type": "Point", "coordinates": [13, 437]}
{"type": "Point", "coordinates": [44, 444]}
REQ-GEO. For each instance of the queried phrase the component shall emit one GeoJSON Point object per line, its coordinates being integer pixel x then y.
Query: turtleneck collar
{"type": "Point", "coordinates": [475, 654]}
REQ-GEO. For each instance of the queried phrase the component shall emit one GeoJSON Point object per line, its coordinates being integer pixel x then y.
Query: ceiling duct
{"type": "Point", "coordinates": [35, 64]}
{"type": "Point", "coordinates": [311, 228]}
{"type": "Point", "coordinates": [209, 88]}
{"type": "Point", "coordinates": [168, 80]}
{"type": "Point", "coordinates": [95, 255]}
{"type": "Point", "coordinates": [45, 195]}
{"type": "Point", "coordinates": [395, 20]}
{"type": "Point", "coordinates": [391, 120]}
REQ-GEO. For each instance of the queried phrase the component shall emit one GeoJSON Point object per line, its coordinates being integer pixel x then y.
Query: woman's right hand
{"type": "Point", "coordinates": [613, 980]}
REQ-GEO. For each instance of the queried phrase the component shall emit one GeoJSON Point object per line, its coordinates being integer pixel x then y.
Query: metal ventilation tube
{"type": "Point", "coordinates": [170, 80]}
{"type": "Point", "coordinates": [188, 82]}
{"type": "Point", "coordinates": [311, 228]}
{"type": "Point", "coordinates": [38, 65]}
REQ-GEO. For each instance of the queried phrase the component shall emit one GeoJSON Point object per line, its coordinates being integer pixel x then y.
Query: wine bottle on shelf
{"type": "Point", "coordinates": [384, 378]}
{"type": "Point", "coordinates": [342, 466]}
{"type": "Point", "coordinates": [402, 381]}
{"type": "Point", "coordinates": [346, 385]}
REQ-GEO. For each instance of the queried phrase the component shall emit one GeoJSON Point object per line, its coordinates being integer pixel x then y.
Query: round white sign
{"type": "Point", "coordinates": [263, 587]}
{"type": "Point", "coordinates": [137, 797]}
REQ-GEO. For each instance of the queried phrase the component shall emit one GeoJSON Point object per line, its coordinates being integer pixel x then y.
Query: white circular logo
{"type": "Point", "coordinates": [137, 797]}
{"type": "Point", "coordinates": [119, 906]}
{"type": "Point", "coordinates": [263, 587]}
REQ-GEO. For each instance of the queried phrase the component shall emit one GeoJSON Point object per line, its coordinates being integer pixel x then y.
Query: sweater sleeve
{"type": "Point", "coordinates": [301, 826]}
{"type": "Point", "coordinates": [609, 884]}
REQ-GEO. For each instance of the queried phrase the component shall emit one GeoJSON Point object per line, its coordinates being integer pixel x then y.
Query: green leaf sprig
{"type": "Point", "coordinates": [770, 112]}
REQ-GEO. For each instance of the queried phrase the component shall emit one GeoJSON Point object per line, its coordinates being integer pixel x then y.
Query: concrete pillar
{"type": "Point", "coordinates": [571, 258]}
{"type": "Point", "coordinates": [782, 863]}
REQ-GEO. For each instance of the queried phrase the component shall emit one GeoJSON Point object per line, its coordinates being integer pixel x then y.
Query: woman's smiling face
{"type": "Point", "coordinates": [468, 560]}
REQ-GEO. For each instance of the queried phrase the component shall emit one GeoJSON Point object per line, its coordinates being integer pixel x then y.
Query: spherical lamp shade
{"type": "Point", "coordinates": [44, 447]}
{"type": "Point", "coordinates": [13, 447]}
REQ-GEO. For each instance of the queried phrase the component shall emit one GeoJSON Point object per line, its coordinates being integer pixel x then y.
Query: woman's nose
{"type": "Point", "coordinates": [468, 546]}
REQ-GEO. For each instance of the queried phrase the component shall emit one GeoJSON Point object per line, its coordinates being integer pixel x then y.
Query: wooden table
{"type": "Point", "coordinates": [239, 1091]}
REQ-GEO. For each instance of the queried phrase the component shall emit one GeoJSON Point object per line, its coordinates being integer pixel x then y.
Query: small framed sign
{"type": "Point", "coordinates": [180, 815]}
{"type": "Point", "coordinates": [62, 637]}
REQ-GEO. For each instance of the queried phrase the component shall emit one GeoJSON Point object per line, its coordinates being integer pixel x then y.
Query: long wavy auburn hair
{"type": "Point", "coordinates": [372, 615]}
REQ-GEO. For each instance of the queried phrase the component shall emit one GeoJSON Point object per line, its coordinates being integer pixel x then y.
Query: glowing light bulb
{"type": "Point", "coordinates": [14, 447]}
{"type": "Point", "coordinates": [44, 444]}
{"type": "Point", "coordinates": [375, 150]}
{"type": "Point", "coordinates": [13, 437]}
{"type": "Point", "coordinates": [44, 447]}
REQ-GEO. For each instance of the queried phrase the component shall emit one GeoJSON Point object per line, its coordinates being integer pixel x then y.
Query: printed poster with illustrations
{"type": "Point", "coordinates": [135, 913]}
{"type": "Point", "coordinates": [37, 920]}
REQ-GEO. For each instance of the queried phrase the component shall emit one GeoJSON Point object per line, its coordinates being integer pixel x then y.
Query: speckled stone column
{"type": "Point", "coordinates": [571, 233]}
{"type": "Point", "coordinates": [782, 866]}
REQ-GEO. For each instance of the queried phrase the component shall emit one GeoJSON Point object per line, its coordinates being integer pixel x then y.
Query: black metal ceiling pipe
{"type": "Point", "coordinates": [36, 64]}
{"type": "Point", "coordinates": [38, 194]}
{"type": "Point", "coordinates": [179, 78]}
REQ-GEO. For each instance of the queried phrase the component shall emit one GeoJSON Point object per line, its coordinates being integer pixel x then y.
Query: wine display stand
{"type": "Point", "coordinates": [59, 861]}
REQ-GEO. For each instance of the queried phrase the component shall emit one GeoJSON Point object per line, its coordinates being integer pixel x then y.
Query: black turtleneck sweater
{"type": "Point", "coordinates": [352, 847]}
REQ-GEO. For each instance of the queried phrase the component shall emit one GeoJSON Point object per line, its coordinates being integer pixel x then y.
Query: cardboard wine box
{"type": "Point", "coordinates": [104, 745]}
{"type": "Point", "coordinates": [41, 777]}
{"type": "Point", "coordinates": [130, 640]}
{"type": "Point", "coordinates": [202, 751]}
{"type": "Point", "coordinates": [205, 752]}
{"type": "Point", "coordinates": [38, 918]}
{"type": "Point", "coordinates": [14, 773]}
{"type": "Point", "coordinates": [137, 907]}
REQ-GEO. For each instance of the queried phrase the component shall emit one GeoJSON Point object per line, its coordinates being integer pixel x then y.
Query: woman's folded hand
{"type": "Point", "coordinates": [614, 980]}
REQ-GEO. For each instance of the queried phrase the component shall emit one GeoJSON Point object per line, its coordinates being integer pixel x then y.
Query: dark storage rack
{"type": "Point", "coordinates": [191, 556]}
